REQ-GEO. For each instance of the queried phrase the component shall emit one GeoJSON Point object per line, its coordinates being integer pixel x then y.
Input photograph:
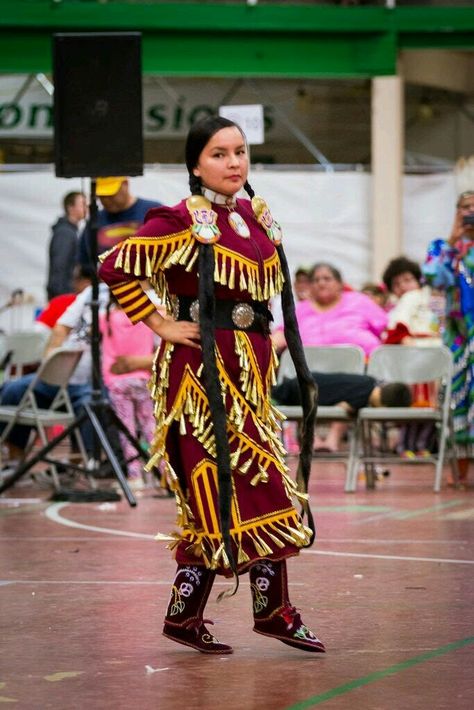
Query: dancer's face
{"type": "Point", "coordinates": [223, 164]}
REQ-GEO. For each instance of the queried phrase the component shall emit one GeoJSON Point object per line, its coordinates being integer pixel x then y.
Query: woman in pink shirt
{"type": "Point", "coordinates": [334, 316]}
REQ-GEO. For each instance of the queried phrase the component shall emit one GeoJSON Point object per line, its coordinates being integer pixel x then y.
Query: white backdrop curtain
{"type": "Point", "coordinates": [325, 216]}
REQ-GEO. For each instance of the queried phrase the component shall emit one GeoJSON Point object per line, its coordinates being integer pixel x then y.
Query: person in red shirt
{"type": "Point", "coordinates": [58, 304]}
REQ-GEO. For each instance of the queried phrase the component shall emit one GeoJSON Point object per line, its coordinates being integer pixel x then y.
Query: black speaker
{"type": "Point", "coordinates": [97, 104]}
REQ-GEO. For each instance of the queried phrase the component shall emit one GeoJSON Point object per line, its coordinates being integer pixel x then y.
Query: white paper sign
{"type": "Point", "coordinates": [250, 118]}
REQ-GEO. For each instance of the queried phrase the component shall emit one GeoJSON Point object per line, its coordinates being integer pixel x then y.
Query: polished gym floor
{"type": "Point", "coordinates": [388, 586]}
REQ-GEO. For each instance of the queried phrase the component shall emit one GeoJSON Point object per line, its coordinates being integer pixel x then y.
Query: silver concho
{"type": "Point", "coordinates": [194, 311]}
{"type": "Point", "coordinates": [243, 315]}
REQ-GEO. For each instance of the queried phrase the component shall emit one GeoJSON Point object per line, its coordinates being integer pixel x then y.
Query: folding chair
{"type": "Point", "coordinates": [411, 365]}
{"type": "Point", "coordinates": [335, 358]}
{"type": "Point", "coordinates": [21, 349]}
{"type": "Point", "coordinates": [55, 370]}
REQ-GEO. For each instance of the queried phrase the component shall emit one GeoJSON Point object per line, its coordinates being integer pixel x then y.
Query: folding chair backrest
{"type": "Point", "coordinates": [322, 358]}
{"type": "Point", "coordinates": [410, 364]}
{"type": "Point", "coordinates": [59, 366]}
{"type": "Point", "coordinates": [26, 348]}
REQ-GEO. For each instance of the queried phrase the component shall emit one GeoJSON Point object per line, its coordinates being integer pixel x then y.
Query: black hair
{"type": "Point", "coordinates": [198, 137]}
{"type": "Point", "coordinates": [400, 265]}
{"type": "Point", "coordinates": [323, 264]}
{"type": "Point", "coordinates": [395, 394]}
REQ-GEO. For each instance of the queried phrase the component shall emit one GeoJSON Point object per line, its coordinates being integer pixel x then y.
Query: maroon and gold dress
{"type": "Point", "coordinates": [264, 521]}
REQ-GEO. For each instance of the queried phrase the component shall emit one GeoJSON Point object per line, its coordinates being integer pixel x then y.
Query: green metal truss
{"type": "Point", "coordinates": [184, 39]}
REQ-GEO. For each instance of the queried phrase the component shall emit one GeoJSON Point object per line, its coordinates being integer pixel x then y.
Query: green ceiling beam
{"type": "Point", "coordinates": [238, 40]}
{"type": "Point", "coordinates": [191, 17]}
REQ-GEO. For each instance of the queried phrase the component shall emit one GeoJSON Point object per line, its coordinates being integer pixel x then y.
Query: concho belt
{"type": "Point", "coordinates": [252, 316]}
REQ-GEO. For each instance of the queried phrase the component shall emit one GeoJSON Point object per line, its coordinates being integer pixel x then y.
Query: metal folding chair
{"type": "Point", "coordinates": [411, 365]}
{"type": "Point", "coordinates": [336, 358]}
{"type": "Point", "coordinates": [55, 370]}
{"type": "Point", "coordinates": [21, 349]}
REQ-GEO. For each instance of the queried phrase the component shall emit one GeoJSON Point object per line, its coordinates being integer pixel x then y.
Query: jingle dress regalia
{"type": "Point", "coordinates": [264, 523]}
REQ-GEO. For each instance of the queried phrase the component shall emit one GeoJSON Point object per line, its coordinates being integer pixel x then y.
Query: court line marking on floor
{"type": "Point", "coordinates": [54, 510]}
{"type": "Point", "coordinates": [53, 513]}
{"type": "Point", "coordinates": [379, 675]}
{"type": "Point", "coordinates": [407, 514]}
{"type": "Point", "coordinates": [399, 558]}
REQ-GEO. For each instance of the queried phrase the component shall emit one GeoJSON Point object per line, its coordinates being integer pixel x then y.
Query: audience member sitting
{"type": "Point", "coordinates": [378, 293]}
{"type": "Point", "coordinates": [53, 310]}
{"type": "Point", "coordinates": [347, 390]}
{"type": "Point", "coordinates": [300, 292]}
{"type": "Point", "coordinates": [413, 320]}
{"type": "Point", "coordinates": [335, 316]}
{"type": "Point", "coordinates": [128, 390]}
{"type": "Point", "coordinates": [72, 329]}
{"type": "Point", "coordinates": [301, 283]}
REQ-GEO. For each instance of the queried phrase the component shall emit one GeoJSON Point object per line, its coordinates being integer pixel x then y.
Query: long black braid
{"type": "Point", "coordinates": [307, 386]}
{"type": "Point", "coordinates": [207, 304]}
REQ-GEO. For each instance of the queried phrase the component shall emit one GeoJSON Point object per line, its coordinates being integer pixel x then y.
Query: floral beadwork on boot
{"type": "Point", "coordinates": [184, 621]}
{"type": "Point", "coordinates": [185, 589]}
{"type": "Point", "coordinates": [263, 570]}
{"type": "Point", "coordinates": [273, 613]}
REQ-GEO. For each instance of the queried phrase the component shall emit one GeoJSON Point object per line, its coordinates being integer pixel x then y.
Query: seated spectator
{"type": "Point", "coordinates": [334, 316]}
{"type": "Point", "coordinates": [300, 291]}
{"type": "Point", "coordinates": [347, 390]}
{"type": "Point", "coordinates": [378, 293]}
{"type": "Point", "coordinates": [414, 319]}
{"type": "Point", "coordinates": [128, 390]}
{"type": "Point", "coordinates": [301, 284]}
{"type": "Point", "coordinates": [72, 329]}
{"type": "Point", "coordinates": [46, 320]}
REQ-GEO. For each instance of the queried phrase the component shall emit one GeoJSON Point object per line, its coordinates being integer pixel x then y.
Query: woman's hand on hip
{"type": "Point", "coordinates": [179, 331]}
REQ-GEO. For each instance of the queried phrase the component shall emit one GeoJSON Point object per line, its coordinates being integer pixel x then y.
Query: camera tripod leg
{"type": "Point", "coordinates": [110, 455]}
{"type": "Point", "coordinates": [40, 456]}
